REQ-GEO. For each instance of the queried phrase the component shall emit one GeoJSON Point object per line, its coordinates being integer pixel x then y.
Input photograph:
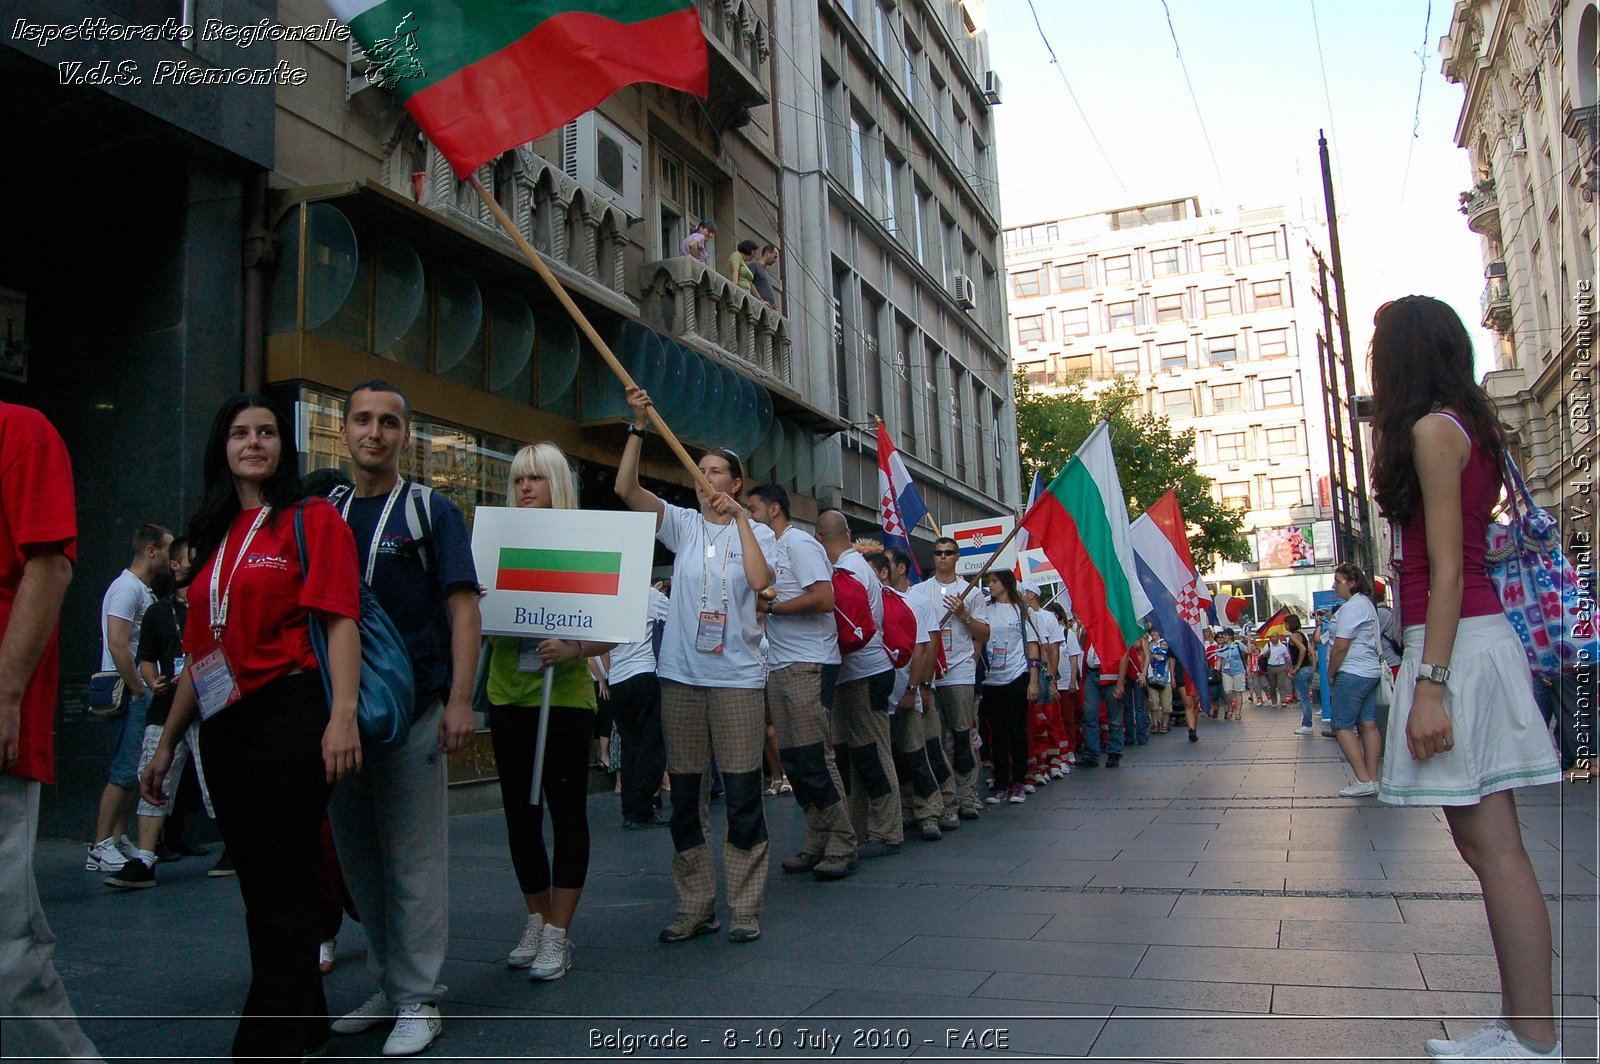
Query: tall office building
{"type": "Point", "coordinates": [1216, 317]}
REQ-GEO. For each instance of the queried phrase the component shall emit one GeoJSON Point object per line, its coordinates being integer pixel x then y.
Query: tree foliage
{"type": "Point", "coordinates": [1150, 458]}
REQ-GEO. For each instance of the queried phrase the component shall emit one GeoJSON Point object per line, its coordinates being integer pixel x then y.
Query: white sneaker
{"type": "Point", "coordinates": [1029, 788]}
{"type": "Point", "coordinates": [1497, 1044]}
{"type": "Point", "coordinates": [375, 1010]}
{"type": "Point", "coordinates": [104, 857]}
{"type": "Point", "coordinates": [1305, 729]}
{"type": "Point", "coordinates": [127, 847]}
{"type": "Point", "coordinates": [528, 945]}
{"type": "Point", "coordinates": [1056, 772]}
{"type": "Point", "coordinates": [554, 957]}
{"type": "Point", "coordinates": [1487, 1035]}
{"type": "Point", "coordinates": [1360, 790]}
{"type": "Point", "coordinates": [415, 1028]}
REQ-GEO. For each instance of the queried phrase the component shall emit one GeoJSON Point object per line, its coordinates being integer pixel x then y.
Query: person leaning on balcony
{"type": "Point", "coordinates": [761, 269]}
{"type": "Point", "coordinates": [739, 265]}
{"type": "Point", "coordinates": [697, 244]}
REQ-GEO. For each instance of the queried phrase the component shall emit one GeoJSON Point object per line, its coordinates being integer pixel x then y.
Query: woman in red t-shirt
{"type": "Point", "coordinates": [1464, 728]}
{"type": "Point", "coordinates": [271, 747]}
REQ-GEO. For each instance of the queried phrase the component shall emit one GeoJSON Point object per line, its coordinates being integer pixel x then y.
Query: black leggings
{"type": "Point", "coordinates": [1005, 707]}
{"type": "Point", "coordinates": [514, 731]}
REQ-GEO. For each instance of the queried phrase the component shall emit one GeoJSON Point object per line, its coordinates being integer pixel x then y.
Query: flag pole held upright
{"type": "Point", "coordinates": [588, 330]}
{"type": "Point", "coordinates": [1001, 549]}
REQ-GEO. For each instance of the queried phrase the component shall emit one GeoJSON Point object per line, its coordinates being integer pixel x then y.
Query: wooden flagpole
{"type": "Point", "coordinates": [582, 321]}
{"type": "Point", "coordinates": [979, 575]}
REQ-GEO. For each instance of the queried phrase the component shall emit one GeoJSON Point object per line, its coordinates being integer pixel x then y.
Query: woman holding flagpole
{"type": "Point", "coordinates": [541, 479]}
{"type": "Point", "coordinates": [712, 683]}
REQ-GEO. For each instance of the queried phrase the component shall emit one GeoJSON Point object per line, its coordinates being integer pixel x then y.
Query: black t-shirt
{"type": "Point", "coordinates": [413, 593]}
{"type": "Point", "coordinates": [161, 644]}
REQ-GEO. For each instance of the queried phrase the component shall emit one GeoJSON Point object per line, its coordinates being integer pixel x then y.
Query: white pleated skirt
{"type": "Point", "coordinates": [1501, 740]}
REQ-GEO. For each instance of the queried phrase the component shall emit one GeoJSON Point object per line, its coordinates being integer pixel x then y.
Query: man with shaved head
{"type": "Point", "coordinates": [861, 742]}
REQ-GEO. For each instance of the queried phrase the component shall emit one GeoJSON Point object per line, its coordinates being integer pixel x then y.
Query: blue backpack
{"type": "Point", "coordinates": [388, 688]}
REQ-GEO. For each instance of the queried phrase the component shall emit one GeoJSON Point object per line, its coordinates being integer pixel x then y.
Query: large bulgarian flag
{"type": "Point", "coordinates": [483, 76]}
{"type": "Point", "coordinates": [565, 572]}
{"type": "Point", "coordinates": [1081, 524]}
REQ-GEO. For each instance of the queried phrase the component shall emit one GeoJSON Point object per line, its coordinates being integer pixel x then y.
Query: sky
{"type": "Point", "coordinates": [1259, 80]}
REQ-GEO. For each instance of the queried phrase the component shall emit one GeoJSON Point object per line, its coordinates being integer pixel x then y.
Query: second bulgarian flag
{"type": "Point", "coordinates": [571, 572]}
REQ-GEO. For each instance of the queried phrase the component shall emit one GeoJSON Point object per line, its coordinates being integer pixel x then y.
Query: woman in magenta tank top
{"type": "Point", "coordinates": [1464, 729]}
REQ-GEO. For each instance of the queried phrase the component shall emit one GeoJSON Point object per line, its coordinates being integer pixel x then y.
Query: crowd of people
{"type": "Point", "coordinates": [884, 699]}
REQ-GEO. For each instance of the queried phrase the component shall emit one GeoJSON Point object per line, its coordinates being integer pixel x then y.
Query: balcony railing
{"type": "Point", "coordinates": [1482, 209]}
{"type": "Point", "coordinates": [739, 44]}
{"type": "Point", "coordinates": [1496, 303]}
{"type": "Point", "coordinates": [704, 309]}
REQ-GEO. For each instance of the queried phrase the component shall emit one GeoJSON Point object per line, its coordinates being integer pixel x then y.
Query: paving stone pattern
{"type": "Point", "coordinates": [1209, 901]}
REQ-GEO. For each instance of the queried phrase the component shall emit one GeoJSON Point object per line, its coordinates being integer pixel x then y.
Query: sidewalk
{"type": "Point", "coordinates": [1208, 900]}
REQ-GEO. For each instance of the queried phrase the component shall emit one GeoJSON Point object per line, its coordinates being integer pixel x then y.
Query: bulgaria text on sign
{"type": "Point", "coordinates": [577, 574]}
{"type": "Point", "coordinates": [978, 540]}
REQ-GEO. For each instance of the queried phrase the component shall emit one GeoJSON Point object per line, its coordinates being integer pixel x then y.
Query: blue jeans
{"type": "Point", "coordinates": [127, 739]}
{"type": "Point", "coordinates": [1134, 721]}
{"type": "Point", "coordinates": [1325, 687]}
{"type": "Point", "coordinates": [1095, 696]}
{"type": "Point", "coordinates": [1355, 700]}
{"type": "Point", "coordinates": [1302, 691]}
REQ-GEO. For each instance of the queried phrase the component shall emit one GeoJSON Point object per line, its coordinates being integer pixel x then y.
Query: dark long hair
{"type": "Point", "coordinates": [219, 503]}
{"type": "Point", "coordinates": [1421, 360]}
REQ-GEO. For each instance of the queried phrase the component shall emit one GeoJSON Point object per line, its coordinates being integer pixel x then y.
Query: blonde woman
{"type": "Point", "coordinates": [541, 479]}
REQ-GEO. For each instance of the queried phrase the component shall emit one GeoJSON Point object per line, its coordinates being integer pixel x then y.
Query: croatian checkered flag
{"type": "Point", "coordinates": [900, 506]}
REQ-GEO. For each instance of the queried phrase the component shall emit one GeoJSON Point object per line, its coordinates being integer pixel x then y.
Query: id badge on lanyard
{"type": "Point", "coordinates": [997, 656]}
{"type": "Point", "coordinates": [215, 686]}
{"type": "Point", "coordinates": [528, 659]}
{"type": "Point", "coordinates": [711, 630]}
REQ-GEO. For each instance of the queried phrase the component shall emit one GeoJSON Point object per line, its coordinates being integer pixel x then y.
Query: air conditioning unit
{"type": "Point", "coordinates": [1228, 270]}
{"type": "Point", "coordinates": [604, 160]}
{"type": "Point", "coordinates": [1144, 330]}
{"type": "Point", "coordinates": [965, 291]}
{"type": "Point", "coordinates": [1233, 467]}
{"type": "Point", "coordinates": [991, 87]}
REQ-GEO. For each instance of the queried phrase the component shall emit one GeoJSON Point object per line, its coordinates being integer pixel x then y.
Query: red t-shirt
{"type": "Point", "coordinates": [268, 633]}
{"type": "Point", "coordinates": [36, 517]}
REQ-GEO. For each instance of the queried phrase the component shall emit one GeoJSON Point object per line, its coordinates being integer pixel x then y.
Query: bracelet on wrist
{"type": "Point", "coordinates": [638, 430]}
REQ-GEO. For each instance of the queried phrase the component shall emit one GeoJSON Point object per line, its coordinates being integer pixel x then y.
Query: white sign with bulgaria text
{"type": "Point", "coordinates": [573, 574]}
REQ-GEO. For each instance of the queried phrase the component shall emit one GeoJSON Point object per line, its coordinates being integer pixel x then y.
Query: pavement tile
{"type": "Point", "coordinates": [1384, 937]}
{"type": "Point", "coordinates": [994, 955]}
{"type": "Point", "coordinates": [1077, 927]}
{"type": "Point", "coordinates": [1077, 903]}
{"type": "Point", "coordinates": [1223, 906]}
{"type": "Point", "coordinates": [1158, 993]}
{"type": "Point", "coordinates": [1311, 967]}
{"type": "Point", "coordinates": [1144, 1033]}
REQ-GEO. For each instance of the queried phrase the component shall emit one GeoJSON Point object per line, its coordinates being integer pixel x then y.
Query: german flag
{"type": "Point", "coordinates": [566, 572]}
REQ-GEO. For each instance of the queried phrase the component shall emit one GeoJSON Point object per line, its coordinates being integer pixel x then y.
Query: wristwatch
{"type": "Point", "coordinates": [1438, 674]}
{"type": "Point", "coordinates": [637, 430]}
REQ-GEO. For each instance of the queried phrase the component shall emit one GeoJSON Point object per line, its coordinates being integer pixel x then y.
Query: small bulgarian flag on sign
{"type": "Point", "coordinates": [483, 76]}
{"type": "Point", "coordinates": [566, 572]}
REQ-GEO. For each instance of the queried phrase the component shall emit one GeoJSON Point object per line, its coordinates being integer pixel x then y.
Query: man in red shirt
{"type": "Point", "coordinates": [38, 546]}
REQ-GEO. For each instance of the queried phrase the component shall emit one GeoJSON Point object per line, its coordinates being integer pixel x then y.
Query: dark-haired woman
{"type": "Point", "coordinates": [712, 681]}
{"type": "Point", "coordinates": [272, 745]}
{"type": "Point", "coordinates": [1010, 686]}
{"type": "Point", "coordinates": [1464, 708]}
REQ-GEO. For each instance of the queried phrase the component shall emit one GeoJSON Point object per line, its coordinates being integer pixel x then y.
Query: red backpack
{"type": "Point", "coordinates": [852, 612]}
{"type": "Point", "coordinates": [899, 629]}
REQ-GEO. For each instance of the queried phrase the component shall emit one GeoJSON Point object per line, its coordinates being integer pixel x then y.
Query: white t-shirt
{"type": "Point", "coordinates": [633, 659]}
{"type": "Point", "coordinates": [698, 583]}
{"type": "Point", "coordinates": [1071, 650]}
{"type": "Point", "coordinates": [1357, 621]}
{"type": "Point", "coordinates": [127, 598]}
{"type": "Point", "coordinates": [1009, 634]}
{"type": "Point", "coordinates": [958, 647]}
{"type": "Point", "coordinates": [798, 561]}
{"type": "Point", "coordinates": [872, 658]}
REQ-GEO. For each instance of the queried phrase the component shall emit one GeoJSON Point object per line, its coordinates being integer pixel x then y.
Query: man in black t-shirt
{"type": "Point", "coordinates": [161, 662]}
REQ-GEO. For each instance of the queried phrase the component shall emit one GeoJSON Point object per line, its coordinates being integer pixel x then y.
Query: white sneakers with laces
{"type": "Point", "coordinates": [415, 1028]}
{"type": "Point", "coordinates": [1360, 790]}
{"type": "Point", "coordinates": [527, 946]}
{"type": "Point", "coordinates": [105, 856]}
{"type": "Point", "coordinates": [373, 1011]}
{"type": "Point", "coordinates": [554, 956]}
{"type": "Point", "coordinates": [1496, 1042]}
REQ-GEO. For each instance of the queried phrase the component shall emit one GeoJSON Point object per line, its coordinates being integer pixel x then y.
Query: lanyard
{"type": "Point", "coordinates": [705, 570]}
{"type": "Point", "coordinates": [383, 522]}
{"type": "Point", "coordinates": [219, 594]}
